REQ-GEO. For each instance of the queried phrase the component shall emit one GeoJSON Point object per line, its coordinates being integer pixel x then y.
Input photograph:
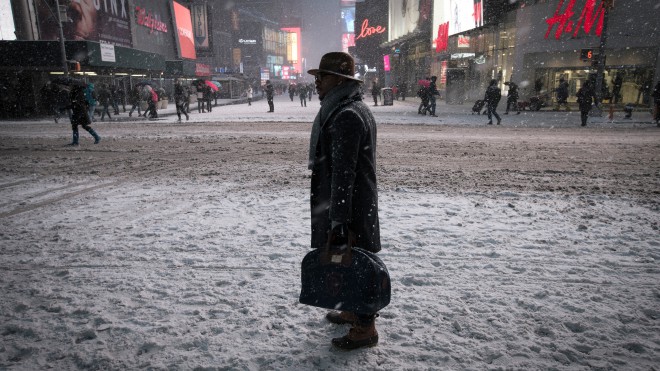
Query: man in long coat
{"type": "Point", "coordinates": [344, 196]}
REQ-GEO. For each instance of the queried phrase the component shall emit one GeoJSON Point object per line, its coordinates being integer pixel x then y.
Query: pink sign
{"type": "Point", "coordinates": [386, 62]}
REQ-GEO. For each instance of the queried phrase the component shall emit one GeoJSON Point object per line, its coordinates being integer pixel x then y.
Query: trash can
{"type": "Point", "coordinates": [388, 96]}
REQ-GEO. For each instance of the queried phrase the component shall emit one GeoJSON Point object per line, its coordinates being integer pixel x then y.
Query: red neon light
{"type": "Point", "coordinates": [368, 31]}
{"type": "Point", "coordinates": [478, 13]}
{"type": "Point", "coordinates": [150, 21]}
{"type": "Point", "coordinates": [586, 20]}
{"type": "Point", "coordinates": [443, 38]}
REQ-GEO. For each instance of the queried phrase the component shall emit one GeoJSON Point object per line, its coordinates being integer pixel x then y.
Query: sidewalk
{"type": "Point", "coordinates": [639, 116]}
{"type": "Point", "coordinates": [123, 115]}
{"type": "Point", "coordinates": [171, 110]}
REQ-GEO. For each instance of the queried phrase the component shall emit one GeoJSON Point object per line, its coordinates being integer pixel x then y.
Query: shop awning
{"type": "Point", "coordinates": [180, 68]}
{"type": "Point", "coordinates": [45, 55]}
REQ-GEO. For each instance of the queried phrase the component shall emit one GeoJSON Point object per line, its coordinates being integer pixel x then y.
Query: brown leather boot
{"type": "Point", "coordinates": [341, 318]}
{"type": "Point", "coordinates": [358, 336]}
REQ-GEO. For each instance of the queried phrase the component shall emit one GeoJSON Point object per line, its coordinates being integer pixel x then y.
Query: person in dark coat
{"type": "Point", "coordinates": [270, 92]}
{"type": "Point", "coordinates": [585, 98]}
{"type": "Point", "coordinates": [433, 91]}
{"type": "Point", "coordinates": [656, 103]}
{"type": "Point", "coordinates": [134, 97]}
{"type": "Point", "coordinates": [208, 97]}
{"type": "Point", "coordinates": [512, 97]}
{"type": "Point", "coordinates": [492, 99]}
{"type": "Point", "coordinates": [105, 98]}
{"type": "Point", "coordinates": [344, 195]}
{"type": "Point", "coordinates": [562, 94]}
{"type": "Point", "coordinates": [180, 99]}
{"type": "Point", "coordinates": [292, 91]}
{"type": "Point", "coordinates": [375, 92]}
{"type": "Point", "coordinates": [423, 94]}
{"type": "Point", "coordinates": [80, 115]}
{"type": "Point", "coordinates": [302, 94]}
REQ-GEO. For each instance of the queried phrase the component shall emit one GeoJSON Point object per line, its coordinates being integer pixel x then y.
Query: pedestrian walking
{"type": "Point", "coordinates": [375, 91]}
{"type": "Point", "coordinates": [344, 195]}
{"type": "Point", "coordinates": [585, 98]}
{"type": "Point", "coordinates": [152, 101]}
{"type": "Point", "coordinates": [180, 99]}
{"type": "Point", "coordinates": [80, 114]}
{"type": "Point", "coordinates": [249, 94]}
{"type": "Point", "coordinates": [562, 95]}
{"type": "Point", "coordinates": [656, 103]}
{"type": "Point", "coordinates": [492, 99]}
{"type": "Point", "coordinates": [617, 84]}
{"type": "Point", "coordinates": [433, 91]}
{"type": "Point", "coordinates": [292, 91]}
{"type": "Point", "coordinates": [104, 99]}
{"type": "Point", "coordinates": [208, 97]}
{"type": "Point", "coordinates": [423, 94]}
{"type": "Point", "coordinates": [114, 99]}
{"type": "Point", "coordinates": [302, 93]}
{"type": "Point", "coordinates": [201, 105]}
{"type": "Point", "coordinates": [512, 97]}
{"type": "Point", "coordinates": [269, 96]}
{"type": "Point", "coordinates": [134, 97]}
{"type": "Point", "coordinates": [90, 95]}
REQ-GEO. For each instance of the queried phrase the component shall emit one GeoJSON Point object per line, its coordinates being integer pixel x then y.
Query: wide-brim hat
{"type": "Point", "coordinates": [336, 63]}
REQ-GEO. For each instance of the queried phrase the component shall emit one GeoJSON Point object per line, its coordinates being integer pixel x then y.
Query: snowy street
{"type": "Point", "coordinates": [530, 245]}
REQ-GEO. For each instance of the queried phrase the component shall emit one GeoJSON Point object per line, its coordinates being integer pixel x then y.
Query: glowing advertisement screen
{"type": "Point", "coordinates": [184, 31]}
{"type": "Point", "coordinates": [465, 15]}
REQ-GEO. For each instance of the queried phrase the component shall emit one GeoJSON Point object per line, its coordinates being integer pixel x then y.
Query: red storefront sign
{"type": "Point", "coordinates": [566, 23]}
{"type": "Point", "coordinates": [442, 41]}
{"type": "Point", "coordinates": [202, 69]}
{"type": "Point", "coordinates": [149, 20]}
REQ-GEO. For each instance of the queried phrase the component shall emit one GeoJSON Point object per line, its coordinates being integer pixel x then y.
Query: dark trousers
{"type": "Point", "coordinates": [583, 117]}
{"type": "Point", "coordinates": [105, 110]}
{"type": "Point", "coordinates": [180, 108]}
{"type": "Point", "coordinates": [490, 108]}
{"type": "Point", "coordinates": [271, 106]}
{"type": "Point", "coordinates": [153, 113]}
{"type": "Point", "coordinates": [134, 106]}
{"type": "Point", "coordinates": [512, 103]}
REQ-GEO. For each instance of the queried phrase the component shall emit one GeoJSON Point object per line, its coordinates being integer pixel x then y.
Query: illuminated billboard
{"type": "Point", "coordinates": [465, 15]}
{"type": "Point", "coordinates": [293, 45]}
{"type": "Point", "coordinates": [440, 34]}
{"type": "Point", "coordinates": [347, 40]}
{"type": "Point", "coordinates": [184, 31]}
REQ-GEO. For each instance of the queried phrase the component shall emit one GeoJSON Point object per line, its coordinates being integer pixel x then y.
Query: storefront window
{"type": "Point", "coordinates": [624, 84]}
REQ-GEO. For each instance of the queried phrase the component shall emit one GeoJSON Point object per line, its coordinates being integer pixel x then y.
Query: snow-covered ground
{"type": "Point", "coordinates": [534, 245]}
